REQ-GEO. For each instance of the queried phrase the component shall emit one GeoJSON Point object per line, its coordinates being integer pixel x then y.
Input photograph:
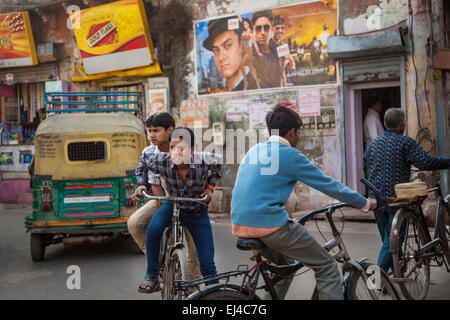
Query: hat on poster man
{"type": "Point", "coordinates": [218, 26]}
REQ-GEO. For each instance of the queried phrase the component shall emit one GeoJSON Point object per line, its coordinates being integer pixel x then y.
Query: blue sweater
{"type": "Point", "coordinates": [265, 179]}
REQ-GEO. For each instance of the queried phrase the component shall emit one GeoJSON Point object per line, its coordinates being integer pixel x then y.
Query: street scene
{"type": "Point", "coordinates": [113, 269]}
{"type": "Point", "coordinates": [210, 150]}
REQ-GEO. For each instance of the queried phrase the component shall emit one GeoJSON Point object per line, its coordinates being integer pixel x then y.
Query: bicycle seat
{"type": "Point", "coordinates": [250, 244]}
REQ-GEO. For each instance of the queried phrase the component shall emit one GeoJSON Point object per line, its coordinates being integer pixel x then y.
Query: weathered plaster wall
{"type": "Point", "coordinates": [368, 15]}
{"type": "Point", "coordinates": [359, 16]}
{"type": "Point", "coordinates": [325, 151]}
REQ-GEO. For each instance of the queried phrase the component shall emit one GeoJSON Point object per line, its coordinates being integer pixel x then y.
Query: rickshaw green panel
{"type": "Point", "coordinates": [86, 199]}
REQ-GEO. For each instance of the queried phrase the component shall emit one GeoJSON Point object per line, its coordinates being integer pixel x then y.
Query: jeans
{"type": "Point", "coordinates": [198, 225]}
{"type": "Point", "coordinates": [384, 223]}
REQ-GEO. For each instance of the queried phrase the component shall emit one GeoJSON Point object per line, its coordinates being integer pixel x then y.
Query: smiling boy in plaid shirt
{"type": "Point", "coordinates": [187, 174]}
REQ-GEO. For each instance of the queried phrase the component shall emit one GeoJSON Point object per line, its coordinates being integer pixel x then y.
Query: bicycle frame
{"type": "Point", "coordinates": [431, 244]}
{"type": "Point", "coordinates": [264, 268]}
{"type": "Point", "coordinates": [174, 235]}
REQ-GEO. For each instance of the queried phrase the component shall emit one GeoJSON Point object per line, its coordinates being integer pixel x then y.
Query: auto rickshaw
{"type": "Point", "coordinates": [84, 176]}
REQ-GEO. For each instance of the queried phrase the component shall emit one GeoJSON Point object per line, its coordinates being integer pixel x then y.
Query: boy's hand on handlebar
{"type": "Point", "coordinates": [138, 192]}
{"type": "Point", "coordinates": [373, 204]}
{"type": "Point", "coordinates": [207, 192]}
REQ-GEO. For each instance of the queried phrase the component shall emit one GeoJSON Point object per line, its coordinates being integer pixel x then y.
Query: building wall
{"type": "Point", "coordinates": [368, 15]}
{"type": "Point", "coordinates": [324, 151]}
{"type": "Point", "coordinates": [354, 17]}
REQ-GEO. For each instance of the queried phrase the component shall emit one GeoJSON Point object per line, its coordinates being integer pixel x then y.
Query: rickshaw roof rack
{"type": "Point", "coordinates": [94, 101]}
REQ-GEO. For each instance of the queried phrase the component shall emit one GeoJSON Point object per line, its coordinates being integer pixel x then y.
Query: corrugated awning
{"type": "Point", "coordinates": [375, 43]}
{"type": "Point", "coordinates": [38, 73]}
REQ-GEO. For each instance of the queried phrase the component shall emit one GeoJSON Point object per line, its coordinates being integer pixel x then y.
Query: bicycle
{"type": "Point", "coordinates": [358, 275]}
{"type": "Point", "coordinates": [412, 247]}
{"type": "Point", "coordinates": [173, 263]}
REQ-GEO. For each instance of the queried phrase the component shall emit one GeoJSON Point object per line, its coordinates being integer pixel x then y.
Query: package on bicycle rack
{"type": "Point", "coordinates": [414, 189]}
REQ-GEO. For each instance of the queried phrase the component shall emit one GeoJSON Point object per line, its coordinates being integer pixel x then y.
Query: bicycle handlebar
{"type": "Point", "coordinates": [172, 198]}
{"type": "Point", "coordinates": [375, 191]}
{"type": "Point", "coordinates": [331, 208]}
{"type": "Point", "coordinates": [328, 209]}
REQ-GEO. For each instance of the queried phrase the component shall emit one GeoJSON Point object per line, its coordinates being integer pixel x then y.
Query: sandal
{"type": "Point", "coordinates": [149, 285]}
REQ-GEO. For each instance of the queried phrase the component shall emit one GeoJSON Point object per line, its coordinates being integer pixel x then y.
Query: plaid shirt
{"type": "Point", "coordinates": [144, 176]}
{"type": "Point", "coordinates": [205, 168]}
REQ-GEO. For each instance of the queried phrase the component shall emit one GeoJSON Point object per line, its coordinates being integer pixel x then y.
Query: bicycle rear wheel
{"type": "Point", "coordinates": [176, 269]}
{"type": "Point", "coordinates": [372, 284]}
{"type": "Point", "coordinates": [222, 292]}
{"type": "Point", "coordinates": [411, 268]}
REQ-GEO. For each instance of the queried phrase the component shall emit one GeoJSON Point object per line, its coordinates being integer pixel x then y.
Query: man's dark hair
{"type": "Point", "coordinates": [282, 119]}
{"type": "Point", "coordinates": [160, 119]}
{"type": "Point", "coordinates": [375, 100]}
{"type": "Point", "coordinates": [278, 20]}
{"type": "Point", "coordinates": [266, 13]}
{"type": "Point", "coordinates": [183, 133]}
{"type": "Point", "coordinates": [249, 22]}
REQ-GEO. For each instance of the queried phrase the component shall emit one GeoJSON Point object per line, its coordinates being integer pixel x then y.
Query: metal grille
{"type": "Point", "coordinates": [86, 151]}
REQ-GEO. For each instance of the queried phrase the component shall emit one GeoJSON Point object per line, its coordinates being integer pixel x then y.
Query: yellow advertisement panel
{"type": "Point", "coordinates": [114, 36]}
{"type": "Point", "coordinates": [17, 47]}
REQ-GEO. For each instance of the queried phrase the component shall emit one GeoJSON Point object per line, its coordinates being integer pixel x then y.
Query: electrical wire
{"type": "Point", "coordinates": [423, 132]}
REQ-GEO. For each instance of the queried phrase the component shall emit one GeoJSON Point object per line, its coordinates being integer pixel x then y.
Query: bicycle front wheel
{"type": "Point", "coordinates": [411, 267]}
{"type": "Point", "coordinates": [372, 284]}
{"type": "Point", "coordinates": [176, 269]}
{"type": "Point", "coordinates": [443, 229]}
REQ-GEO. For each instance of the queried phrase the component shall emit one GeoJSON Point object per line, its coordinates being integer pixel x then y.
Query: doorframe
{"type": "Point", "coordinates": [354, 141]}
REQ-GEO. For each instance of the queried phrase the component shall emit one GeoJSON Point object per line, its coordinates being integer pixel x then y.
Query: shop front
{"type": "Point", "coordinates": [22, 83]}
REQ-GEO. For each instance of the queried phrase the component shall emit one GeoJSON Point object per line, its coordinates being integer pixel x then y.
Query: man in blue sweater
{"type": "Point", "coordinates": [387, 162]}
{"type": "Point", "coordinates": [265, 179]}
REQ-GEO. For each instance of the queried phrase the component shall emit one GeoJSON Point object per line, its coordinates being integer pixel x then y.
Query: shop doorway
{"type": "Point", "coordinates": [358, 98]}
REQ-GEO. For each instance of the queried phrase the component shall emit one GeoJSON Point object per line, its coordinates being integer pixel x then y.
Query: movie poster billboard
{"type": "Point", "coordinates": [17, 47]}
{"type": "Point", "coordinates": [113, 36]}
{"type": "Point", "coordinates": [273, 48]}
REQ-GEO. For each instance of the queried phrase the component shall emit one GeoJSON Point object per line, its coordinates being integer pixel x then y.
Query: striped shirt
{"type": "Point", "coordinates": [204, 168]}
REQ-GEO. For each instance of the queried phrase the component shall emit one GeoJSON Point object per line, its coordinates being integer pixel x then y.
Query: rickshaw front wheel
{"type": "Point", "coordinates": [37, 246]}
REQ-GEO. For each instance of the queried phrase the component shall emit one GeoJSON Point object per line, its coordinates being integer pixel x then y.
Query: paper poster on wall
{"type": "Point", "coordinates": [309, 102]}
{"type": "Point", "coordinates": [157, 99]}
{"type": "Point", "coordinates": [326, 122]}
{"type": "Point", "coordinates": [6, 158]}
{"type": "Point", "coordinates": [308, 129]}
{"type": "Point", "coordinates": [258, 111]}
{"type": "Point", "coordinates": [237, 110]}
{"type": "Point", "coordinates": [273, 48]}
{"type": "Point", "coordinates": [194, 113]}
{"type": "Point", "coordinates": [321, 121]}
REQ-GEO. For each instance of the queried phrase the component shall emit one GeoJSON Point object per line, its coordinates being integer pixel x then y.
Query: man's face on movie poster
{"type": "Point", "coordinates": [301, 40]}
{"type": "Point", "coordinates": [227, 53]}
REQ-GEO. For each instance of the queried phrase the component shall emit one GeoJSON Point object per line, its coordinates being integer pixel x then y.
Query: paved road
{"type": "Point", "coordinates": [114, 269]}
